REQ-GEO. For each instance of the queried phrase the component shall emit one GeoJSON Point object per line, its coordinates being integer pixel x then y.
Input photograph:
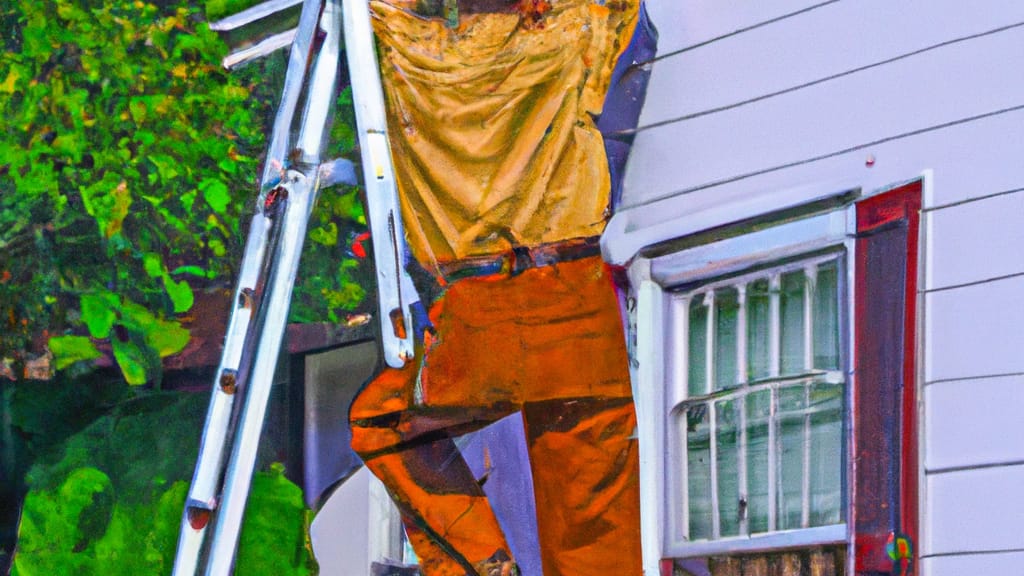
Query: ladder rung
{"type": "Point", "coordinates": [250, 15]}
{"type": "Point", "coordinates": [260, 49]}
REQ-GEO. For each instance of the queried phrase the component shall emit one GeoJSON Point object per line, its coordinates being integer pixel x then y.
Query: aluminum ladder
{"type": "Point", "coordinates": [291, 179]}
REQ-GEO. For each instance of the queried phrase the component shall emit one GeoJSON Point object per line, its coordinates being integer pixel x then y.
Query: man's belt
{"type": "Point", "coordinates": [521, 258]}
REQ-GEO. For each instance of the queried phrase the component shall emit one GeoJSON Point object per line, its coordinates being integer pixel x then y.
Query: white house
{"type": "Point", "coordinates": [820, 222]}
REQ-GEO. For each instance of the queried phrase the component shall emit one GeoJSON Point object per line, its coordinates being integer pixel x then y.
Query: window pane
{"type": "Point", "coordinates": [786, 433]}
{"type": "Point", "coordinates": [758, 334]}
{"type": "Point", "coordinates": [698, 375]}
{"type": "Point", "coordinates": [727, 311]}
{"type": "Point", "coordinates": [727, 438]}
{"type": "Point", "coordinates": [791, 456]}
{"type": "Point", "coordinates": [698, 461]}
{"type": "Point", "coordinates": [826, 463]}
{"type": "Point", "coordinates": [758, 411]}
{"type": "Point", "coordinates": [791, 304]}
{"type": "Point", "coordinates": [826, 317]}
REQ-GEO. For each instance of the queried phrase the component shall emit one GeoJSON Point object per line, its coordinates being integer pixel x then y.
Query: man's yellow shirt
{"type": "Point", "coordinates": [491, 123]}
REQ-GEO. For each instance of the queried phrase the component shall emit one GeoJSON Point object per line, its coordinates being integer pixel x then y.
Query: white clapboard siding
{"type": "Point", "coordinates": [773, 98]}
{"type": "Point", "coordinates": [686, 23]}
{"type": "Point", "coordinates": [968, 160]}
{"type": "Point", "coordinates": [968, 564]}
{"type": "Point", "coordinates": [976, 511]}
{"type": "Point", "coordinates": [975, 331]}
{"type": "Point", "coordinates": [976, 241]}
{"type": "Point", "coordinates": [931, 89]}
{"type": "Point", "coordinates": [974, 422]}
{"type": "Point", "coordinates": [793, 52]}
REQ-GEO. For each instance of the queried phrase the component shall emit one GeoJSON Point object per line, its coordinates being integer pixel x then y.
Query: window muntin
{"type": "Point", "coordinates": [758, 439]}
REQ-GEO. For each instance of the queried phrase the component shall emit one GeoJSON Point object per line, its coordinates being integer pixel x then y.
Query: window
{"type": "Point", "coordinates": [758, 439]}
{"type": "Point", "coordinates": [774, 366]}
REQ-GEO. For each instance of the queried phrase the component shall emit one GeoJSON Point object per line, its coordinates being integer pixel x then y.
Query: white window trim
{"type": "Point", "coordinates": [653, 385]}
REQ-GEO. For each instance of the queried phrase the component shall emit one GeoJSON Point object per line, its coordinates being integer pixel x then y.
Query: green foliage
{"type": "Point", "coordinates": [220, 8]}
{"type": "Point", "coordinates": [71, 349]}
{"type": "Point", "coordinates": [118, 115]}
{"type": "Point", "coordinates": [275, 532]}
{"type": "Point", "coordinates": [45, 414]}
{"type": "Point", "coordinates": [50, 525]}
{"type": "Point", "coordinates": [126, 170]}
{"type": "Point", "coordinates": [111, 503]}
{"type": "Point", "coordinates": [126, 445]}
{"type": "Point", "coordinates": [84, 528]}
{"type": "Point", "coordinates": [332, 282]}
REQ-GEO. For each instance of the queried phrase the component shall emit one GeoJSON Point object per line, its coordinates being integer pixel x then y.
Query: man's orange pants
{"type": "Point", "coordinates": [547, 343]}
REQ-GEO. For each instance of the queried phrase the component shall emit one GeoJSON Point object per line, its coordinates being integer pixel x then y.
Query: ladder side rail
{"type": "Point", "coordinates": [396, 294]}
{"type": "Point", "coordinates": [295, 75]}
{"type": "Point", "coordinates": [205, 484]}
{"type": "Point", "coordinates": [205, 481]}
{"type": "Point", "coordinates": [222, 414]}
{"type": "Point", "coordinates": [224, 411]}
{"type": "Point", "coordinates": [301, 186]}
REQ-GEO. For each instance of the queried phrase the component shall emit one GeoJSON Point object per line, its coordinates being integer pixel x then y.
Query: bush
{"type": "Point", "coordinates": [112, 502]}
{"type": "Point", "coordinates": [128, 163]}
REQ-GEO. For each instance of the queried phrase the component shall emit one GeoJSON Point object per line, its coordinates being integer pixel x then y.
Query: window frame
{"type": "Point", "coordinates": [837, 221]}
{"type": "Point", "coordinates": [703, 263]}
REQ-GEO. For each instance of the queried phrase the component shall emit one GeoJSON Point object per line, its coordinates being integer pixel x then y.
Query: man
{"type": "Point", "coordinates": [504, 189]}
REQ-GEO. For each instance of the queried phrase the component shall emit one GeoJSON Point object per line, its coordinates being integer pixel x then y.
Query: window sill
{"type": "Point", "coordinates": [835, 534]}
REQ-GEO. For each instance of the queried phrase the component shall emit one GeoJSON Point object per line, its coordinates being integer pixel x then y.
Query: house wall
{"type": "Point", "coordinates": [751, 98]}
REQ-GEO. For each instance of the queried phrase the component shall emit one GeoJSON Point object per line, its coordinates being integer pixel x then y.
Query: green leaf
{"type": "Point", "coordinates": [170, 338]}
{"type": "Point", "coordinates": [137, 107]}
{"type": "Point", "coordinates": [52, 522]}
{"type": "Point", "coordinates": [218, 248]}
{"type": "Point", "coordinates": [134, 363]}
{"type": "Point", "coordinates": [325, 235]}
{"type": "Point", "coordinates": [216, 194]}
{"type": "Point", "coordinates": [347, 206]}
{"type": "Point", "coordinates": [70, 349]}
{"type": "Point", "coordinates": [180, 293]}
{"type": "Point", "coordinates": [98, 313]}
{"type": "Point", "coordinates": [166, 166]}
{"type": "Point", "coordinates": [8, 85]}
{"type": "Point", "coordinates": [108, 201]}
{"type": "Point", "coordinates": [144, 137]}
{"type": "Point", "coordinates": [187, 200]}
{"type": "Point", "coordinates": [164, 337]}
{"type": "Point", "coordinates": [71, 145]}
{"type": "Point", "coordinates": [269, 535]}
{"type": "Point", "coordinates": [190, 270]}
{"type": "Point", "coordinates": [153, 264]}
{"type": "Point", "coordinates": [228, 165]}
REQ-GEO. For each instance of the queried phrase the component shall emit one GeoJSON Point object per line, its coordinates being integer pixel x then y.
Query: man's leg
{"type": "Point", "coordinates": [452, 527]}
{"type": "Point", "coordinates": [585, 476]}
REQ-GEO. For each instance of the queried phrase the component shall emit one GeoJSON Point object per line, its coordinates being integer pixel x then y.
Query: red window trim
{"type": "Point", "coordinates": [896, 208]}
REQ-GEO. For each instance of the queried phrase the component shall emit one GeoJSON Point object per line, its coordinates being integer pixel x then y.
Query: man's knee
{"type": "Point", "coordinates": [389, 393]}
{"type": "Point", "coordinates": [375, 413]}
{"type": "Point", "coordinates": [370, 441]}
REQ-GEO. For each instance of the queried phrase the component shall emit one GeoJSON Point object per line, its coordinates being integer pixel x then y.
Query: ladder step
{"type": "Point", "coordinates": [246, 299]}
{"type": "Point", "coordinates": [229, 382]}
{"type": "Point", "coordinates": [198, 517]}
